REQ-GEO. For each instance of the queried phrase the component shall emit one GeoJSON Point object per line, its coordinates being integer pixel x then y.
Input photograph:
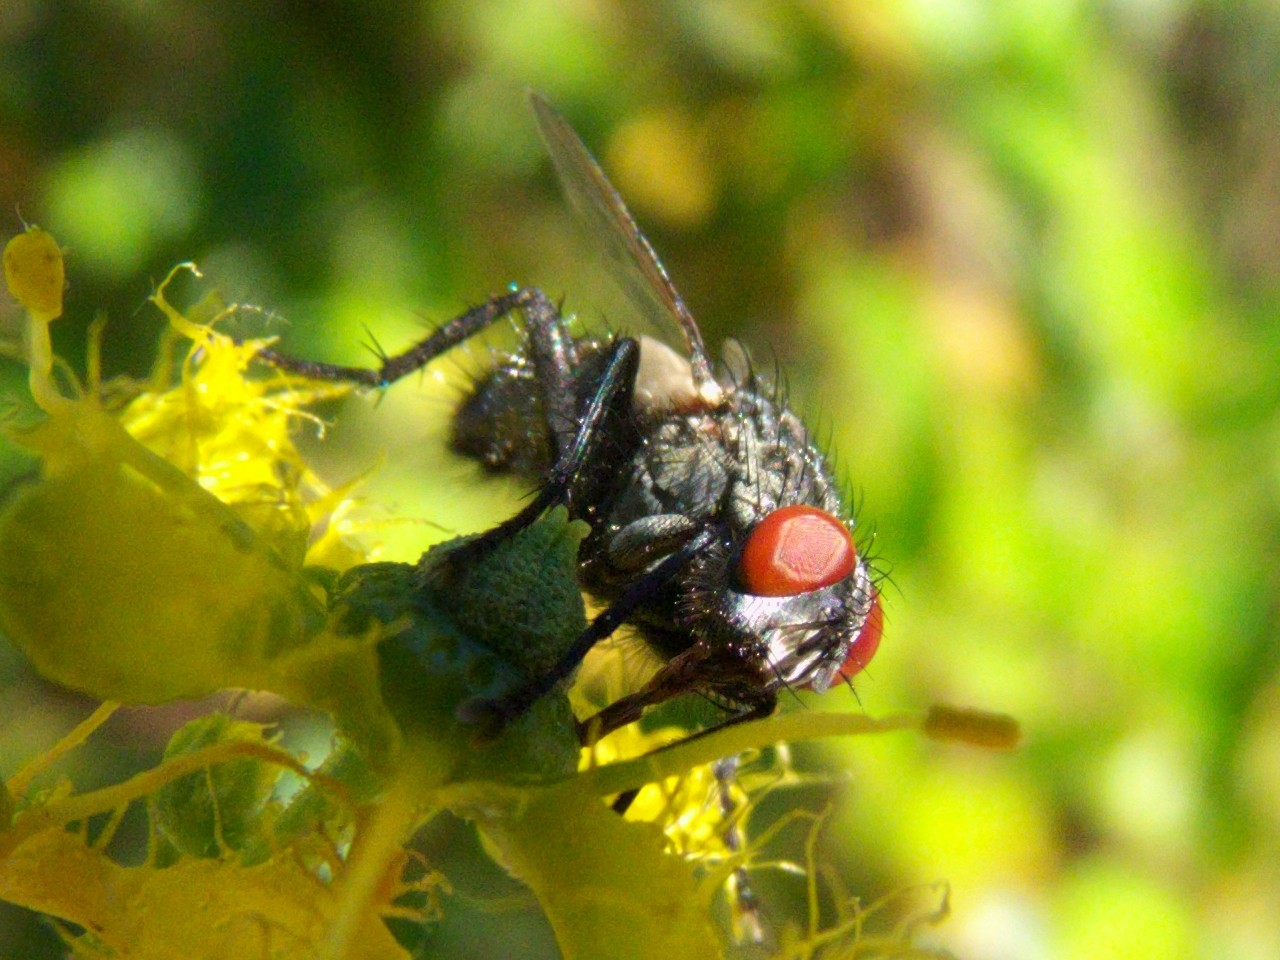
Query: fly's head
{"type": "Point", "coordinates": [790, 606]}
{"type": "Point", "coordinates": [784, 598]}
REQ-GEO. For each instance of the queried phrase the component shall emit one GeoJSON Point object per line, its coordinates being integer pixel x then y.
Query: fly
{"type": "Point", "coordinates": [717, 531]}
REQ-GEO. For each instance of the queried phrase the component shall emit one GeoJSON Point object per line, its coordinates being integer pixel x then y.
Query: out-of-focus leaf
{"type": "Point", "coordinates": [221, 809]}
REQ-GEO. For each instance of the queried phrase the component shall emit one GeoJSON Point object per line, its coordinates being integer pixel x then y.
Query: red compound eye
{"type": "Point", "coordinates": [866, 643]}
{"type": "Point", "coordinates": [794, 550]}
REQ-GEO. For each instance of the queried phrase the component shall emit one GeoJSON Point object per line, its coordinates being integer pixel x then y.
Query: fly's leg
{"type": "Point", "coordinates": [554, 356]}
{"type": "Point", "coordinates": [748, 925]}
{"type": "Point", "coordinates": [492, 715]}
{"type": "Point", "coordinates": [677, 676]}
{"type": "Point", "coordinates": [576, 436]}
{"type": "Point", "coordinates": [748, 922]}
{"type": "Point", "coordinates": [610, 401]}
{"type": "Point", "coordinates": [747, 912]}
{"type": "Point", "coordinates": [552, 346]}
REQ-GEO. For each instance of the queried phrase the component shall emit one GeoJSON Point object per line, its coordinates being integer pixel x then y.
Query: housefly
{"type": "Point", "coordinates": [717, 531]}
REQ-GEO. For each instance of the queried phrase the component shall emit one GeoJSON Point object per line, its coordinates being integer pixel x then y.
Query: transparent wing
{"type": "Point", "coordinates": [634, 265]}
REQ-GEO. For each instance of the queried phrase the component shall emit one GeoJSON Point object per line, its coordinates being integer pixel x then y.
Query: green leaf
{"type": "Point", "coordinates": [115, 587]}
{"type": "Point", "coordinates": [476, 627]}
{"type": "Point", "coordinates": [219, 809]}
{"type": "Point", "coordinates": [608, 886]}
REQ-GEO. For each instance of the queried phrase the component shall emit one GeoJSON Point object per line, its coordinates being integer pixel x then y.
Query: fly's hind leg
{"type": "Point", "coordinates": [444, 338]}
{"type": "Point", "coordinates": [553, 354]}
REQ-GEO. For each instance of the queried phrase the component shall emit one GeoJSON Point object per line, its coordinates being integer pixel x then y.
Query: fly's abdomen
{"type": "Point", "coordinates": [502, 424]}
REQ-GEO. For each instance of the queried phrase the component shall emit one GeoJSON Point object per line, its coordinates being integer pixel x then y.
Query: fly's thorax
{"type": "Point", "coordinates": [778, 464]}
{"type": "Point", "coordinates": [735, 463]}
{"type": "Point", "coordinates": [664, 380]}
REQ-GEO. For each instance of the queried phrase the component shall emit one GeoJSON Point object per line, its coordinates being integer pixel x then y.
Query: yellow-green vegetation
{"type": "Point", "coordinates": [1018, 261]}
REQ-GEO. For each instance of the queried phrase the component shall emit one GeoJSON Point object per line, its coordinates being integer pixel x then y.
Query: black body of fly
{"type": "Point", "coordinates": [717, 532]}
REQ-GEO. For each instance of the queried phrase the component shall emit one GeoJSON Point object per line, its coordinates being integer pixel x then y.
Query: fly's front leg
{"type": "Point", "coordinates": [492, 715]}
{"type": "Point", "coordinates": [678, 676]}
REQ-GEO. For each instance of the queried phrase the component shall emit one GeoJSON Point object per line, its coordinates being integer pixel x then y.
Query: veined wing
{"type": "Point", "coordinates": [634, 265]}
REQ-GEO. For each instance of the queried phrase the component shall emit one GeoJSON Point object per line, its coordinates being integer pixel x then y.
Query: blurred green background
{"type": "Point", "coordinates": [1018, 260]}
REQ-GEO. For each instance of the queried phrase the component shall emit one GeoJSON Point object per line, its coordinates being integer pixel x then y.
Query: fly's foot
{"type": "Point", "coordinates": [489, 716]}
{"type": "Point", "coordinates": [618, 714]}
